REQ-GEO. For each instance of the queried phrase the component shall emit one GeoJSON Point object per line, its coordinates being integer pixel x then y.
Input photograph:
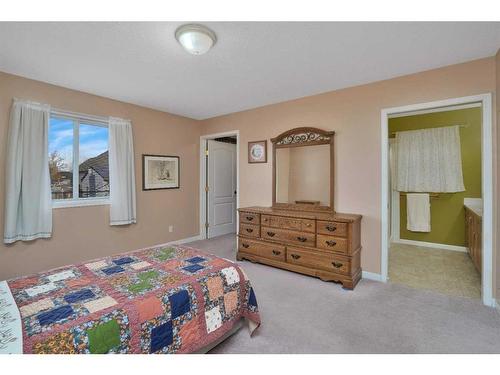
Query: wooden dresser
{"type": "Point", "coordinates": [321, 244]}
{"type": "Point", "coordinates": [301, 232]}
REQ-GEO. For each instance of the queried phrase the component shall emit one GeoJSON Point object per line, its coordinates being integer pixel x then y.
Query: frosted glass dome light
{"type": "Point", "coordinates": [195, 39]}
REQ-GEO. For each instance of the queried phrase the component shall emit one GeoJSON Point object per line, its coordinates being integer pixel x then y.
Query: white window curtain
{"type": "Point", "coordinates": [28, 203]}
{"type": "Point", "coordinates": [121, 172]}
{"type": "Point", "coordinates": [429, 160]}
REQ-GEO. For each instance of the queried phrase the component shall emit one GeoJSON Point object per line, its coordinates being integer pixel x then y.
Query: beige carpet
{"type": "Point", "coordinates": [302, 314]}
{"type": "Point", "coordinates": [443, 271]}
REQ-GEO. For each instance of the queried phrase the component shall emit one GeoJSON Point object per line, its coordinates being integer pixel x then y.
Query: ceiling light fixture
{"type": "Point", "coordinates": [195, 39]}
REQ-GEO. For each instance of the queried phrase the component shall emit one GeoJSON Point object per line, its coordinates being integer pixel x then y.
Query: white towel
{"type": "Point", "coordinates": [418, 212]}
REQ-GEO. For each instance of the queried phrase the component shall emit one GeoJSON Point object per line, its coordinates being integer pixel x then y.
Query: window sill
{"type": "Point", "coordinates": [67, 203]}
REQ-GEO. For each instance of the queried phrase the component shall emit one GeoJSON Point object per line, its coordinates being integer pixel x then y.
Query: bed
{"type": "Point", "coordinates": [163, 299]}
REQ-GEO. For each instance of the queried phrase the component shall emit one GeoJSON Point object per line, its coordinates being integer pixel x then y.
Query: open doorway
{"type": "Point", "coordinates": [219, 154]}
{"type": "Point", "coordinates": [439, 240]}
{"type": "Point", "coordinates": [429, 246]}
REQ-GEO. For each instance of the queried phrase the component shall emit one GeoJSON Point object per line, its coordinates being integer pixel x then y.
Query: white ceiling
{"type": "Point", "coordinates": [252, 64]}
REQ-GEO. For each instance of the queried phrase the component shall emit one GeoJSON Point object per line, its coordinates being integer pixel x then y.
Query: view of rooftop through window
{"type": "Point", "coordinates": [92, 171]}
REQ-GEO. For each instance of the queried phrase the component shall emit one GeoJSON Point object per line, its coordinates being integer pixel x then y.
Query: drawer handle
{"type": "Point", "coordinates": [245, 245]}
{"type": "Point", "coordinates": [265, 219]}
{"type": "Point", "coordinates": [302, 239]}
{"type": "Point", "coordinates": [249, 218]}
{"type": "Point", "coordinates": [276, 252]}
{"type": "Point", "coordinates": [331, 243]}
{"type": "Point", "coordinates": [308, 225]}
{"type": "Point", "coordinates": [295, 256]}
{"type": "Point", "coordinates": [249, 230]}
{"type": "Point", "coordinates": [337, 264]}
{"type": "Point", "coordinates": [331, 228]}
{"type": "Point", "coordinates": [271, 234]}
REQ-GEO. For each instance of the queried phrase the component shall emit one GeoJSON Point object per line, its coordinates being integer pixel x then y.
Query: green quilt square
{"type": "Point", "coordinates": [104, 337]}
{"type": "Point", "coordinates": [139, 287]}
{"type": "Point", "coordinates": [153, 274]}
{"type": "Point", "coordinates": [166, 254]}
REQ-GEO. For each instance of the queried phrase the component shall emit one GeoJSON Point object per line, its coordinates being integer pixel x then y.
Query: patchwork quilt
{"type": "Point", "coordinates": [165, 299]}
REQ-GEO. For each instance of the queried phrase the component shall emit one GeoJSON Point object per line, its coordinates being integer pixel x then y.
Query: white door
{"type": "Point", "coordinates": [221, 188]}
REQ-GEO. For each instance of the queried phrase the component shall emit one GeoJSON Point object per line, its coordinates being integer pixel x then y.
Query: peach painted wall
{"type": "Point", "coordinates": [354, 114]}
{"type": "Point", "coordinates": [83, 233]}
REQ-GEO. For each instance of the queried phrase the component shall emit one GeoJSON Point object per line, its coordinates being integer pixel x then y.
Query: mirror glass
{"type": "Point", "coordinates": [303, 175]}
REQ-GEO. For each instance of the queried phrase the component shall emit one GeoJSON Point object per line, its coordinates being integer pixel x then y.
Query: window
{"type": "Point", "coordinates": [78, 160]}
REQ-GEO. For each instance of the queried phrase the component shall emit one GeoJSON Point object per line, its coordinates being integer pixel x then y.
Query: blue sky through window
{"type": "Point", "coordinates": [61, 140]}
{"type": "Point", "coordinates": [93, 140]}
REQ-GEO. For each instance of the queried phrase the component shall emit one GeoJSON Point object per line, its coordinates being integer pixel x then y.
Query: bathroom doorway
{"type": "Point", "coordinates": [438, 240]}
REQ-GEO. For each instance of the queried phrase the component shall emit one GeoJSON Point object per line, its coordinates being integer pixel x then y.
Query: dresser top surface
{"type": "Point", "coordinates": [330, 216]}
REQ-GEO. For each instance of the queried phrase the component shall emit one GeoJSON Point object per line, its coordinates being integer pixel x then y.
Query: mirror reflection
{"type": "Point", "coordinates": [303, 175]}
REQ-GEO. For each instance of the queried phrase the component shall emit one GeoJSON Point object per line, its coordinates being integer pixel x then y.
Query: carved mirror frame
{"type": "Point", "coordinates": [301, 137]}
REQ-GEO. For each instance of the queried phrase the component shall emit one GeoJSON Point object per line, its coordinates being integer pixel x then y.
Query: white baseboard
{"type": "Point", "coordinates": [461, 249]}
{"type": "Point", "coordinates": [371, 276]}
{"type": "Point", "coordinates": [185, 240]}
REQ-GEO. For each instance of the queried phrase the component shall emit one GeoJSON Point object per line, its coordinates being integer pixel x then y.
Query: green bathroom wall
{"type": "Point", "coordinates": [447, 210]}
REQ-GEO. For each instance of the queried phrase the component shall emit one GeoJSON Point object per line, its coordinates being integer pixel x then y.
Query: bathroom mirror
{"type": "Point", "coordinates": [303, 170]}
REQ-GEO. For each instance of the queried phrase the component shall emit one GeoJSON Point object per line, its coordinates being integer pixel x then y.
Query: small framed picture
{"type": "Point", "coordinates": [160, 172]}
{"type": "Point", "coordinates": [257, 152]}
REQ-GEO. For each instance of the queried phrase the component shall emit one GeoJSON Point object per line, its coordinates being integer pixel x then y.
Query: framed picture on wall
{"type": "Point", "coordinates": [257, 152]}
{"type": "Point", "coordinates": [160, 172]}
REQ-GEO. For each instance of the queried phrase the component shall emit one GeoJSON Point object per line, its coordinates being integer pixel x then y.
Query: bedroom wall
{"type": "Point", "coordinates": [354, 114]}
{"type": "Point", "coordinates": [83, 233]}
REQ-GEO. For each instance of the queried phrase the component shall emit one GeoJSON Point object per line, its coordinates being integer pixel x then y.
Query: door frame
{"type": "Point", "coordinates": [203, 175]}
{"type": "Point", "coordinates": [487, 173]}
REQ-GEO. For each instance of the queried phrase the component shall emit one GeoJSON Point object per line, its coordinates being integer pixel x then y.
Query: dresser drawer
{"type": "Point", "coordinates": [249, 218]}
{"type": "Point", "coordinates": [288, 236]}
{"type": "Point", "coordinates": [333, 228]}
{"type": "Point", "coordinates": [270, 221]}
{"type": "Point", "coordinates": [308, 225]}
{"type": "Point", "coordinates": [289, 223]}
{"type": "Point", "coordinates": [303, 225]}
{"type": "Point", "coordinates": [315, 259]}
{"type": "Point", "coordinates": [332, 243]}
{"type": "Point", "coordinates": [262, 249]}
{"type": "Point", "coordinates": [250, 230]}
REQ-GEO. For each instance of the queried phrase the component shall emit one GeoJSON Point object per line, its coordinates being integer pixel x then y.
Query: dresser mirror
{"type": "Point", "coordinates": [303, 170]}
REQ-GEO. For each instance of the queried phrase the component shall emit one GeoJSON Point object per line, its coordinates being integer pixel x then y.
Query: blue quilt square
{"type": "Point", "coordinates": [195, 260]}
{"type": "Point", "coordinates": [161, 336]}
{"type": "Point", "coordinates": [81, 295]}
{"type": "Point", "coordinates": [55, 315]}
{"type": "Point", "coordinates": [193, 268]}
{"type": "Point", "coordinates": [252, 301]}
{"type": "Point", "coordinates": [123, 261]}
{"type": "Point", "coordinates": [112, 270]}
{"type": "Point", "coordinates": [179, 303]}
